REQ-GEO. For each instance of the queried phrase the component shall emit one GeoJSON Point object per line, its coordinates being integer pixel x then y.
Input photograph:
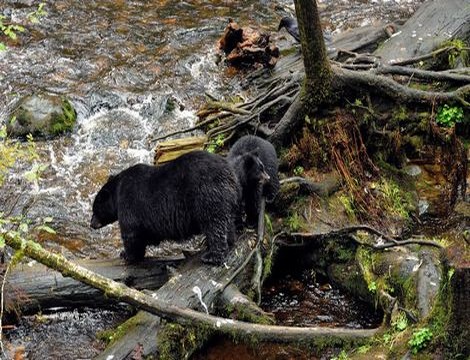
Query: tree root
{"type": "Point", "coordinates": [398, 92]}
{"type": "Point", "coordinates": [300, 238]}
{"type": "Point", "coordinates": [421, 74]}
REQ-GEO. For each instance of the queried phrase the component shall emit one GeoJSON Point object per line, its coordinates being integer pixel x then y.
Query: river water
{"type": "Point", "coordinates": [133, 70]}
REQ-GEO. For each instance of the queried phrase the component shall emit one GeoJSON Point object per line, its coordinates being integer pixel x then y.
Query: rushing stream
{"type": "Point", "coordinates": [133, 70]}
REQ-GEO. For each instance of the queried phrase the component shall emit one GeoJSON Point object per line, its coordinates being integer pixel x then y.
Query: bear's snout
{"type": "Point", "coordinates": [95, 223]}
{"type": "Point", "coordinates": [265, 177]}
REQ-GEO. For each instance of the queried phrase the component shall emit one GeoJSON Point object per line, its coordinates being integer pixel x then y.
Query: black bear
{"type": "Point", "coordinates": [196, 193]}
{"type": "Point", "coordinates": [256, 165]}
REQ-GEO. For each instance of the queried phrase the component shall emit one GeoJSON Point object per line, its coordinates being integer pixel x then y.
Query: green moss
{"type": "Point", "coordinates": [267, 266]}
{"type": "Point", "coordinates": [112, 335]}
{"type": "Point", "coordinates": [400, 114]}
{"type": "Point", "coordinates": [348, 203]}
{"type": "Point", "coordinates": [243, 313]}
{"type": "Point", "coordinates": [459, 53]}
{"type": "Point", "coordinates": [177, 342]}
{"type": "Point", "coordinates": [394, 199]}
{"type": "Point", "coordinates": [64, 121]}
{"type": "Point", "coordinates": [289, 51]}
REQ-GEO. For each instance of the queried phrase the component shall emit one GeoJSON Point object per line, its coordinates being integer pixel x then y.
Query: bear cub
{"type": "Point", "coordinates": [256, 165]}
{"type": "Point", "coordinates": [196, 193]}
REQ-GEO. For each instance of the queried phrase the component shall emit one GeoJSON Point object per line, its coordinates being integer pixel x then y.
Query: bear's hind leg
{"type": "Point", "coordinates": [217, 242]}
{"type": "Point", "coordinates": [134, 247]}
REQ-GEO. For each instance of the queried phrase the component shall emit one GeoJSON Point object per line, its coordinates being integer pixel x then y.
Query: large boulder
{"type": "Point", "coordinates": [43, 115]}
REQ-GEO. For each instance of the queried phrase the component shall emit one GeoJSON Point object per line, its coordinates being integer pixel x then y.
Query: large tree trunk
{"type": "Point", "coordinates": [318, 74]}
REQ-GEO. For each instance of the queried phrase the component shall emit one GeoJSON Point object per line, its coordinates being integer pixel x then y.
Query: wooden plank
{"type": "Point", "coordinates": [171, 149]}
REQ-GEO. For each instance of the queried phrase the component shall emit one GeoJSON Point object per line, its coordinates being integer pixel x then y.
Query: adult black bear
{"type": "Point", "coordinates": [243, 156]}
{"type": "Point", "coordinates": [195, 193]}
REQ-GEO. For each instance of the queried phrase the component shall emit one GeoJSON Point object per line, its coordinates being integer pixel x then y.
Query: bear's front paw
{"type": "Point", "coordinates": [129, 258]}
{"type": "Point", "coordinates": [213, 258]}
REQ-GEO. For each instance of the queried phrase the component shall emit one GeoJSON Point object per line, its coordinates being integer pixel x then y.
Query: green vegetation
{"type": "Point", "coordinates": [459, 51]}
{"type": "Point", "coordinates": [395, 200]}
{"type": "Point", "coordinates": [34, 16]}
{"type": "Point", "coordinates": [299, 170]}
{"type": "Point", "coordinates": [64, 122]}
{"type": "Point", "coordinates": [11, 30]}
{"type": "Point", "coordinates": [364, 349]}
{"type": "Point", "coordinates": [348, 204]}
{"type": "Point", "coordinates": [420, 339]}
{"type": "Point", "coordinates": [372, 286]}
{"type": "Point", "coordinates": [11, 152]}
{"type": "Point", "coordinates": [400, 323]}
{"type": "Point", "coordinates": [448, 116]}
{"type": "Point", "coordinates": [343, 355]}
{"type": "Point", "coordinates": [179, 342]}
{"type": "Point", "coordinates": [294, 222]}
{"type": "Point", "coordinates": [216, 144]}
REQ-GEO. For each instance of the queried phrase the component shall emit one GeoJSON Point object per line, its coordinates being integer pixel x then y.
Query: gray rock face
{"type": "Point", "coordinates": [434, 23]}
{"type": "Point", "coordinates": [41, 115]}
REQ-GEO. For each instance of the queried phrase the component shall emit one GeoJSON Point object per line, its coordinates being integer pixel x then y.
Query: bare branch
{"type": "Point", "coordinates": [349, 230]}
{"type": "Point", "coordinates": [423, 57]}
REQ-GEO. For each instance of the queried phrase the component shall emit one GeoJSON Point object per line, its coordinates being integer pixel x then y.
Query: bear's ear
{"type": "Point", "coordinates": [249, 160]}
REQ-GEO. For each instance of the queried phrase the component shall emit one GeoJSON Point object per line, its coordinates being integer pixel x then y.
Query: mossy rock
{"type": "Point", "coordinates": [43, 115]}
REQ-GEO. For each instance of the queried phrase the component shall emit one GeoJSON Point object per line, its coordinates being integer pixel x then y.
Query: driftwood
{"type": "Point", "coordinates": [36, 287]}
{"type": "Point", "coordinates": [182, 291]}
{"type": "Point", "coordinates": [247, 47]}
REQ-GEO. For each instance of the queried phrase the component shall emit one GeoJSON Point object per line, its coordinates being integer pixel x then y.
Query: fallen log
{"type": "Point", "coordinates": [434, 23]}
{"type": "Point", "coordinates": [141, 330]}
{"type": "Point", "coordinates": [31, 288]}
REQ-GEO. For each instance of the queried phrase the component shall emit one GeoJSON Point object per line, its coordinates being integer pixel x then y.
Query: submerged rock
{"type": "Point", "coordinates": [42, 115]}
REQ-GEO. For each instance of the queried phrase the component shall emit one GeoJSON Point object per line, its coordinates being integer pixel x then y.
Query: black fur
{"type": "Point", "coordinates": [243, 156]}
{"type": "Point", "coordinates": [195, 193]}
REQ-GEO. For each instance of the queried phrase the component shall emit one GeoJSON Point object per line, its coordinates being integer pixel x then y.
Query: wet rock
{"type": "Point", "coordinates": [43, 115]}
{"type": "Point", "coordinates": [20, 3]}
{"type": "Point", "coordinates": [429, 279]}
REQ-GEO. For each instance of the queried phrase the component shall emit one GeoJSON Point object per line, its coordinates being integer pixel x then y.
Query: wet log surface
{"type": "Point", "coordinates": [433, 23]}
{"type": "Point", "coordinates": [36, 287]}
